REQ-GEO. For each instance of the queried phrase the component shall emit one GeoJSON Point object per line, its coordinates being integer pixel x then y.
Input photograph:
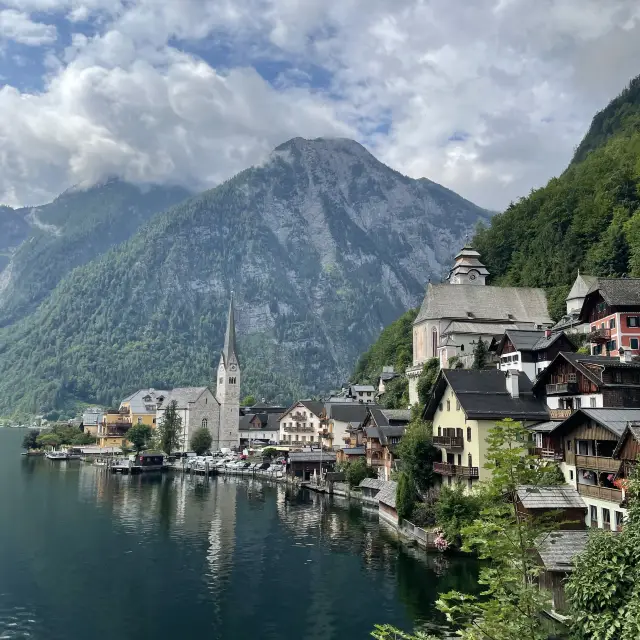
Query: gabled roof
{"type": "Point", "coordinates": [312, 456]}
{"type": "Point", "coordinates": [138, 405]}
{"type": "Point", "coordinates": [372, 483]}
{"type": "Point", "coordinates": [315, 406]}
{"type": "Point", "coordinates": [387, 494]}
{"type": "Point", "coordinates": [245, 421]}
{"type": "Point", "coordinates": [614, 420]}
{"type": "Point", "coordinates": [617, 292]}
{"type": "Point", "coordinates": [457, 301]}
{"type": "Point", "coordinates": [386, 417]}
{"type": "Point", "coordinates": [528, 340]}
{"type": "Point", "coordinates": [483, 395]}
{"type": "Point", "coordinates": [581, 286]}
{"type": "Point", "coordinates": [183, 396]}
{"type": "Point", "coordinates": [631, 431]}
{"type": "Point", "coordinates": [545, 427]}
{"type": "Point", "coordinates": [560, 497]}
{"type": "Point", "coordinates": [559, 549]}
{"type": "Point", "coordinates": [346, 411]}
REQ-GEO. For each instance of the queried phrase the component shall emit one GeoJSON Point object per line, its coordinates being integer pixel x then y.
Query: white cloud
{"type": "Point", "coordinates": [488, 97]}
{"type": "Point", "coordinates": [19, 27]}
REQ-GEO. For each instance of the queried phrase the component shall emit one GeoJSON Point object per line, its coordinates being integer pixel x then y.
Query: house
{"type": "Point", "coordinates": [370, 488]}
{"type": "Point", "coordinates": [337, 419]}
{"type": "Point", "coordinates": [571, 322]}
{"type": "Point", "coordinates": [556, 554]}
{"type": "Point", "coordinates": [383, 429]}
{"type": "Point", "coordinates": [303, 464]}
{"type": "Point", "coordinates": [197, 407]}
{"type": "Point", "coordinates": [612, 309]}
{"type": "Point", "coordinates": [588, 440]}
{"type": "Point", "coordinates": [112, 432]}
{"type": "Point", "coordinates": [348, 454]}
{"type": "Point", "coordinates": [91, 419]}
{"type": "Point", "coordinates": [150, 459]}
{"type": "Point", "coordinates": [364, 393]}
{"type": "Point", "coordinates": [387, 502]}
{"type": "Point", "coordinates": [529, 351]}
{"type": "Point", "coordinates": [464, 406]}
{"type": "Point", "coordinates": [563, 503]}
{"type": "Point", "coordinates": [455, 315]}
{"type": "Point", "coordinates": [627, 451]}
{"type": "Point", "coordinates": [574, 380]}
{"type": "Point", "coordinates": [259, 429]}
{"type": "Point", "coordinates": [301, 424]}
{"type": "Point", "coordinates": [140, 407]}
{"type": "Point", "coordinates": [388, 374]}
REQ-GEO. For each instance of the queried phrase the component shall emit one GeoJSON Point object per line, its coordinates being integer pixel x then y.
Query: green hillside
{"type": "Point", "coordinates": [588, 218]}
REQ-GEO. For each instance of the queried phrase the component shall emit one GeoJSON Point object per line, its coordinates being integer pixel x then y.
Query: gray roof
{"type": "Point", "coordinates": [229, 352]}
{"type": "Point", "coordinates": [137, 403]}
{"type": "Point", "coordinates": [353, 451]}
{"type": "Point", "coordinates": [311, 456]}
{"type": "Point", "coordinates": [618, 292]}
{"type": "Point", "coordinates": [615, 420]}
{"type": "Point", "coordinates": [632, 431]}
{"type": "Point", "coordinates": [244, 422]}
{"type": "Point", "coordinates": [363, 387]}
{"type": "Point", "coordinates": [401, 415]}
{"type": "Point", "coordinates": [385, 376]}
{"type": "Point", "coordinates": [315, 406]}
{"type": "Point", "coordinates": [372, 483]}
{"type": "Point", "coordinates": [581, 286]}
{"type": "Point", "coordinates": [519, 304]}
{"type": "Point", "coordinates": [560, 497]}
{"type": "Point", "coordinates": [387, 494]}
{"type": "Point", "coordinates": [346, 411]}
{"type": "Point", "coordinates": [183, 396]}
{"type": "Point", "coordinates": [567, 321]}
{"type": "Point", "coordinates": [545, 427]}
{"type": "Point", "coordinates": [559, 549]}
{"type": "Point", "coordinates": [485, 328]}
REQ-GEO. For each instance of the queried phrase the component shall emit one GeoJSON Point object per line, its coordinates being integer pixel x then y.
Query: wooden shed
{"type": "Point", "coordinates": [563, 502]}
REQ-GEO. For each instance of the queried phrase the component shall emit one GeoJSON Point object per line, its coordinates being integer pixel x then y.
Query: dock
{"type": "Point", "coordinates": [133, 469]}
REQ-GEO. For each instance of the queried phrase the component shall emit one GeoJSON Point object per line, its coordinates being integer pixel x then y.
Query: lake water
{"type": "Point", "coordinates": [87, 555]}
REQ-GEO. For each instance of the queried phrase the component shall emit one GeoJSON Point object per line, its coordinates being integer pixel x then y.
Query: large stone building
{"type": "Point", "coordinates": [456, 314]}
{"type": "Point", "coordinates": [198, 407]}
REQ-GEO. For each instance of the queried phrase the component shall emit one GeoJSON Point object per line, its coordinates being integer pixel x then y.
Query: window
{"type": "Point", "coordinates": [593, 511]}
{"type": "Point", "coordinates": [232, 380]}
{"type": "Point", "coordinates": [205, 423]}
{"type": "Point", "coordinates": [597, 350]}
{"type": "Point", "coordinates": [617, 376]}
{"type": "Point", "coordinates": [439, 431]}
{"type": "Point", "coordinates": [632, 321]}
{"type": "Point", "coordinates": [570, 474]}
{"type": "Point", "coordinates": [633, 343]}
{"type": "Point", "coordinates": [459, 459]}
{"type": "Point", "coordinates": [440, 406]}
{"type": "Point", "coordinates": [592, 402]}
{"type": "Point", "coordinates": [619, 520]}
{"type": "Point", "coordinates": [461, 347]}
{"type": "Point", "coordinates": [304, 438]}
{"type": "Point", "coordinates": [220, 380]}
{"type": "Point", "coordinates": [457, 405]}
{"type": "Point", "coordinates": [568, 445]}
{"type": "Point", "coordinates": [139, 419]}
{"type": "Point", "coordinates": [434, 343]}
{"type": "Point", "coordinates": [448, 405]}
{"type": "Point", "coordinates": [538, 440]}
{"type": "Point", "coordinates": [470, 460]}
{"type": "Point", "coordinates": [577, 402]}
{"type": "Point", "coordinates": [310, 438]}
{"type": "Point", "coordinates": [612, 323]}
{"type": "Point", "coordinates": [606, 518]}
{"type": "Point", "coordinates": [468, 434]}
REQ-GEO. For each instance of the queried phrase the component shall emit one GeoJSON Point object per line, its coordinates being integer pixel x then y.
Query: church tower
{"type": "Point", "coordinates": [468, 269]}
{"type": "Point", "coordinates": [228, 386]}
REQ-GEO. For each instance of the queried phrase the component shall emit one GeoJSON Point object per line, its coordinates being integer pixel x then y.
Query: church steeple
{"type": "Point", "coordinates": [468, 269]}
{"type": "Point", "coordinates": [229, 354]}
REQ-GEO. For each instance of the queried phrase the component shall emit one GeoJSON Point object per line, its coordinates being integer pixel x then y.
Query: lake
{"type": "Point", "coordinates": [84, 554]}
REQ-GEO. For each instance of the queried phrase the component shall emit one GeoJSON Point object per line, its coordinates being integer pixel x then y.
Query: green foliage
{"type": "Point", "coordinates": [550, 475]}
{"type": "Point", "coordinates": [139, 436]}
{"type": "Point", "coordinates": [248, 401]}
{"type": "Point", "coordinates": [387, 632]}
{"type": "Point", "coordinates": [424, 513]}
{"type": "Point", "coordinates": [355, 471]}
{"type": "Point", "coordinates": [269, 452]}
{"type": "Point", "coordinates": [405, 496]}
{"type": "Point", "coordinates": [49, 440]}
{"type": "Point", "coordinates": [427, 379]}
{"type": "Point", "coordinates": [454, 362]}
{"type": "Point", "coordinates": [455, 510]}
{"type": "Point", "coordinates": [201, 440]}
{"type": "Point", "coordinates": [30, 440]}
{"type": "Point", "coordinates": [396, 395]}
{"type": "Point", "coordinates": [512, 605]}
{"type": "Point", "coordinates": [393, 347]}
{"type": "Point", "coordinates": [480, 352]}
{"type": "Point", "coordinates": [588, 218]}
{"type": "Point", "coordinates": [417, 453]}
{"type": "Point", "coordinates": [80, 439]}
{"type": "Point", "coordinates": [604, 589]}
{"type": "Point", "coordinates": [170, 428]}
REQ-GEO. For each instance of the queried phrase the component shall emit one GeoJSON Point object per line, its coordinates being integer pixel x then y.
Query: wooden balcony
{"type": "Point", "coordinates": [549, 454]}
{"type": "Point", "coordinates": [449, 442]}
{"type": "Point", "coordinates": [599, 336]}
{"type": "Point", "coordinates": [560, 414]}
{"type": "Point", "coordinates": [561, 388]}
{"type": "Point", "coordinates": [446, 469]}
{"type": "Point", "coordinates": [597, 463]}
{"type": "Point", "coordinates": [298, 428]}
{"type": "Point", "coordinates": [375, 462]}
{"type": "Point", "coordinates": [602, 493]}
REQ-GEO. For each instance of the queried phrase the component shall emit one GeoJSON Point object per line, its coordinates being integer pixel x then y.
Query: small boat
{"type": "Point", "coordinates": [57, 455]}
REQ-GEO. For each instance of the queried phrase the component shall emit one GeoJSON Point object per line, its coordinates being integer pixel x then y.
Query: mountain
{"type": "Point", "coordinates": [588, 218]}
{"type": "Point", "coordinates": [322, 244]}
{"type": "Point", "coordinates": [40, 245]}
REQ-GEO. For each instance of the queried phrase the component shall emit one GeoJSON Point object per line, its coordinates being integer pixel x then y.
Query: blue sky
{"type": "Point", "coordinates": [488, 98]}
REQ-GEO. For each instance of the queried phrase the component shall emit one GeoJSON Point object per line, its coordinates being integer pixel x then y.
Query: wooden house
{"type": "Point", "coordinates": [563, 503]}
{"type": "Point", "coordinates": [303, 464]}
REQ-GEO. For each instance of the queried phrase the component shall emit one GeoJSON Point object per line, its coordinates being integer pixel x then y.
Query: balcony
{"type": "Point", "coordinates": [597, 463]}
{"type": "Point", "coordinates": [602, 493]}
{"type": "Point", "coordinates": [549, 454]}
{"type": "Point", "coordinates": [449, 442]}
{"type": "Point", "coordinates": [298, 417]}
{"type": "Point", "coordinates": [560, 414]}
{"type": "Point", "coordinates": [375, 462]}
{"type": "Point", "coordinates": [562, 388]}
{"type": "Point", "coordinates": [599, 336]}
{"type": "Point", "coordinates": [446, 469]}
{"type": "Point", "coordinates": [298, 429]}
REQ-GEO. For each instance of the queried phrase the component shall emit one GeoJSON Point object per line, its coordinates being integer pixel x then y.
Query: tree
{"type": "Point", "coordinates": [604, 588]}
{"type": "Point", "coordinates": [83, 438]}
{"type": "Point", "coordinates": [427, 379]}
{"type": "Point", "coordinates": [49, 440]}
{"type": "Point", "coordinates": [169, 428]}
{"type": "Point", "coordinates": [30, 440]}
{"type": "Point", "coordinates": [387, 632]}
{"type": "Point", "coordinates": [405, 496]}
{"type": "Point", "coordinates": [201, 440]}
{"type": "Point", "coordinates": [480, 355]}
{"type": "Point", "coordinates": [512, 604]}
{"type": "Point", "coordinates": [248, 401]}
{"type": "Point", "coordinates": [269, 452]}
{"type": "Point", "coordinates": [139, 436]}
{"type": "Point", "coordinates": [417, 452]}
{"type": "Point", "coordinates": [456, 509]}
{"type": "Point", "coordinates": [396, 395]}
{"type": "Point", "coordinates": [355, 471]}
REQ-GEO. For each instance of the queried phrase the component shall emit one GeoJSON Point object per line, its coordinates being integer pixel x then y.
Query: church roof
{"type": "Point", "coordinates": [581, 286]}
{"type": "Point", "coordinates": [468, 259]}
{"type": "Point", "coordinates": [229, 351]}
{"type": "Point", "coordinates": [464, 301]}
{"type": "Point", "coordinates": [183, 396]}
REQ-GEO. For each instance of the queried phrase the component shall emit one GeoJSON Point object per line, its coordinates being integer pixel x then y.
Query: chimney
{"type": "Point", "coordinates": [513, 386]}
{"type": "Point", "coordinates": [547, 333]}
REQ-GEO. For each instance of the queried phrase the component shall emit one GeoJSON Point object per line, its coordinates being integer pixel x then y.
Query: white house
{"type": "Point", "coordinates": [301, 423]}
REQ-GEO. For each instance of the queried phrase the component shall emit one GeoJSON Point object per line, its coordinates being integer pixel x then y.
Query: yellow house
{"type": "Point", "coordinates": [464, 405]}
{"type": "Point", "coordinates": [140, 407]}
{"type": "Point", "coordinates": [113, 429]}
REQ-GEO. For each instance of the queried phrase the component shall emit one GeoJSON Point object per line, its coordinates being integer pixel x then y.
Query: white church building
{"type": "Point", "coordinates": [455, 314]}
{"type": "Point", "coordinates": [198, 407]}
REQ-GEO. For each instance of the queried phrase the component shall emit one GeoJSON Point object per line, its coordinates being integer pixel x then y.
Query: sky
{"type": "Point", "coordinates": [487, 97]}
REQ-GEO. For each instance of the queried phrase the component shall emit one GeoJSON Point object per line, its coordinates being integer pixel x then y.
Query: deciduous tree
{"type": "Point", "coordinates": [201, 440]}
{"type": "Point", "coordinates": [417, 452]}
{"type": "Point", "coordinates": [30, 440]}
{"type": "Point", "coordinates": [139, 436]}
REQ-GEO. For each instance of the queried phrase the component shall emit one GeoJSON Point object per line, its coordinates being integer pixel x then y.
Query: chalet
{"type": "Point", "coordinates": [301, 424]}
{"type": "Point", "coordinates": [363, 393]}
{"type": "Point", "coordinates": [337, 418]}
{"type": "Point", "coordinates": [563, 503]}
{"type": "Point", "coordinates": [348, 454]}
{"type": "Point", "coordinates": [464, 405]}
{"type": "Point", "coordinates": [304, 464]}
{"type": "Point", "coordinates": [529, 351]}
{"type": "Point", "coordinates": [573, 381]}
{"type": "Point", "coordinates": [588, 440]}
{"type": "Point", "coordinates": [628, 452]}
{"type": "Point", "coordinates": [260, 429]}
{"type": "Point", "coordinates": [383, 429]}
{"type": "Point", "coordinates": [612, 309]}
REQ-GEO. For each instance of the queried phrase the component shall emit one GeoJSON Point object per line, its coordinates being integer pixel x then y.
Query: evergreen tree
{"type": "Point", "coordinates": [170, 428]}
{"type": "Point", "coordinates": [405, 496]}
{"type": "Point", "coordinates": [30, 440]}
{"type": "Point", "coordinates": [480, 355]}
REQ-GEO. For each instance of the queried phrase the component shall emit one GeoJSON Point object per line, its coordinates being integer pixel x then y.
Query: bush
{"type": "Point", "coordinates": [455, 510]}
{"type": "Point", "coordinates": [355, 471]}
{"type": "Point", "coordinates": [423, 514]}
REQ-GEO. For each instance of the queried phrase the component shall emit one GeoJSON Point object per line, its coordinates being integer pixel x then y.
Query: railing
{"type": "Point", "coordinates": [603, 493]}
{"type": "Point", "coordinates": [449, 442]}
{"type": "Point", "coordinates": [298, 428]}
{"type": "Point", "coordinates": [560, 414]}
{"type": "Point", "coordinates": [298, 417]}
{"type": "Point", "coordinates": [598, 463]}
{"type": "Point", "coordinates": [549, 454]}
{"type": "Point", "coordinates": [562, 387]}
{"type": "Point", "coordinates": [375, 462]}
{"type": "Point", "coordinates": [446, 469]}
{"type": "Point", "coordinates": [599, 335]}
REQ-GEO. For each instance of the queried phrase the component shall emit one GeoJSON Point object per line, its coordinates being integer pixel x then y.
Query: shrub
{"type": "Point", "coordinates": [455, 510]}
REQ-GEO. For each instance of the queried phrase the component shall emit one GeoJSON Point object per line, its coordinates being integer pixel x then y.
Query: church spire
{"type": "Point", "coordinates": [229, 352]}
